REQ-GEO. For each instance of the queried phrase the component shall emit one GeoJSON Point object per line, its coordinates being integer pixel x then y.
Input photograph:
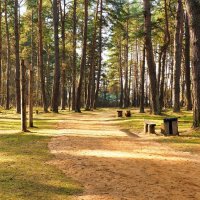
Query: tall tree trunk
{"type": "Point", "coordinates": [100, 54]}
{"type": "Point", "coordinates": [56, 84]}
{"type": "Point", "coordinates": [193, 8]}
{"type": "Point", "coordinates": [187, 64]}
{"type": "Point", "coordinates": [83, 59]}
{"type": "Point", "coordinates": [178, 55]}
{"type": "Point", "coordinates": [7, 60]}
{"type": "Point", "coordinates": [121, 103]}
{"type": "Point", "coordinates": [142, 73]}
{"type": "Point", "coordinates": [126, 93]}
{"type": "Point", "coordinates": [40, 56]}
{"type": "Point", "coordinates": [23, 97]}
{"type": "Point", "coordinates": [74, 55]}
{"type": "Point", "coordinates": [63, 75]}
{"type": "Point", "coordinates": [30, 100]}
{"type": "Point", "coordinates": [150, 57]}
{"type": "Point", "coordinates": [17, 61]}
{"type": "Point", "coordinates": [91, 80]}
{"type": "Point", "coordinates": [164, 49]}
{"type": "Point", "coordinates": [0, 52]}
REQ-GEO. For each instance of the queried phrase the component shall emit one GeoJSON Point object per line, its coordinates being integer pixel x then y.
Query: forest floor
{"type": "Point", "coordinates": [112, 162]}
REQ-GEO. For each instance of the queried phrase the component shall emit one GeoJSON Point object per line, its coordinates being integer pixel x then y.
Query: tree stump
{"type": "Point", "coordinates": [128, 113]}
{"type": "Point", "coordinates": [119, 113]}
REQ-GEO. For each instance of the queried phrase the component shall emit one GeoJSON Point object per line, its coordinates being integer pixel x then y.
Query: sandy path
{"type": "Point", "coordinates": [113, 165]}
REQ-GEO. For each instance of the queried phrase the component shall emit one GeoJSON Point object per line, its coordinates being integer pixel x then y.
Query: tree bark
{"type": "Point", "coordinates": [56, 84]}
{"type": "Point", "coordinates": [150, 58]}
{"type": "Point", "coordinates": [193, 8]}
{"type": "Point", "coordinates": [142, 73]}
{"type": "Point", "coordinates": [63, 75]}
{"type": "Point", "coordinates": [83, 59]}
{"type": "Point", "coordinates": [0, 53]}
{"type": "Point", "coordinates": [187, 64]}
{"type": "Point", "coordinates": [30, 100]}
{"type": "Point", "coordinates": [126, 91]}
{"type": "Point", "coordinates": [91, 80]}
{"type": "Point", "coordinates": [23, 97]}
{"type": "Point", "coordinates": [178, 55]}
{"type": "Point", "coordinates": [17, 61]}
{"type": "Point", "coordinates": [7, 60]}
{"type": "Point", "coordinates": [74, 56]}
{"type": "Point", "coordinates": [164, 49]}
{"type": "Point", "coordinates": [100, 54]}
{"type": "Point", "coordinates": [40, 56]}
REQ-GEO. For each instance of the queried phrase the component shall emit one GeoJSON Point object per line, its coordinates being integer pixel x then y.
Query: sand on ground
{"type": "Point", "coordinates": [115, 164]}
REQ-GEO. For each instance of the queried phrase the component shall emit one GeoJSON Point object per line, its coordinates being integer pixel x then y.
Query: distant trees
{"type": "Point", "coordinates": [113, 68]}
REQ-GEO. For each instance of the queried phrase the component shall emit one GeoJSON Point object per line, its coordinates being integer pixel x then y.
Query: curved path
{"type": "Point", "coordinates": [113, 164]}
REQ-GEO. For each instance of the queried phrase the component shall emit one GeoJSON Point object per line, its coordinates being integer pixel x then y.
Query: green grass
{"type": "Point", "coordinates": [25, 173]}
{"type": "Point", "coordinates": [189, 139]}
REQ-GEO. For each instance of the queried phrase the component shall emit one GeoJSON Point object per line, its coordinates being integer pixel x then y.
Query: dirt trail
{"type": "Point", "coordinates": [113, 164]}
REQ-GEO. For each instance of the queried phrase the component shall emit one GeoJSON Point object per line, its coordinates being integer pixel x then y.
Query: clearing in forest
{"type": "Point", "coordinates": [112, 164]}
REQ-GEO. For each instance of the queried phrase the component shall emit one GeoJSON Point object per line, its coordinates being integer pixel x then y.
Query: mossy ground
{"type": "Point", "coordinates": [24, 169]}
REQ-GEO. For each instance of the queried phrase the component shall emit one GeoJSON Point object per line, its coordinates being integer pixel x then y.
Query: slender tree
{"type": "Point", "coordinates": [63, 72]}
{"type": "Point", "coordinates": [23, 97]}
{"type": "Point", "coordinates": [40, 56]}
{"type": "Point", "coordinates": [83, 59]}
{"type": "Point", "coordinates": [142, 73]}
{"type": "Point", "coordinates": [30, 100]}
{"type": "Point", "coordinates": [178, 55]}
{"type": "Point", "coordinates": [56, 84]}
{"type": "Point", "coordinates": [7, 59]}
{"type": "Point", "coordinates": [0, 52]}
{"type": "Point", "coordinates": [150, 57]}
{"type": "Point", "coordinates": [74, 55]}
{"type": "Point", "coordinates": [187, 64]}
{"type": "Point", "coordinates": [17, 59]}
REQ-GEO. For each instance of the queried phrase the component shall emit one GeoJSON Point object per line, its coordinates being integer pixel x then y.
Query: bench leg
{"type": "Point", "coordinates": [151, 129]}
{"type": "Point", "coordinates": [145, 128]}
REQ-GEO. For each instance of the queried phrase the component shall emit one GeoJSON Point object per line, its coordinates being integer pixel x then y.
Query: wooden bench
{"type": "Point", "coordinates": [119, 113]}
{"type": "Point", "coordinates": [149, 127]}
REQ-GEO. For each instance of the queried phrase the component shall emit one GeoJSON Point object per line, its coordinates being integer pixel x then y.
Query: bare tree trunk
{"type": "Point", "coordinates": [121, 103]}
{"type": "Point", "coordinates": [164, 49]}
{"type": "Point", "coordinates": [0, 52]}
{"type": "Point", "coordinates": [150, 58]}
{"type": "Point", "coordinates": [178, 55]}
{"type": "Point", "coordinates": [63, 75]}
{"type": "Point", "coordinates": [126, 93]}
{"type": "Point", "coordinates": [23, 97]}
{"type": "Point", "coordinates": [187, 64]}
{"type": "Point", "coordinates": [193, 8]}
{"type": "Point", "coordinates": [40, 56]}
{"type": "Point", "coordinates": [74, 56]}
{"type": "Point", "coordinates": [17, 61]}
{"type": "Point", "coordinates": [30, 100]}
{"type": "Point", "coordinates": [83, 60]}
{"type": "Point", "coordinates": [56, 84]}
{"type": "Point", "coordinates": [91, 79]}
{"type": "Point", "coordinates": [100, 54]}
{"type": "Point", "coordinates": [142, 73]}
{"type": "Point", "coordinates": [7, 60]}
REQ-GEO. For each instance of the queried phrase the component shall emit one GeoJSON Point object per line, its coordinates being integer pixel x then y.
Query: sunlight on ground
{"type": "Point", "coordinates": [124, 155]}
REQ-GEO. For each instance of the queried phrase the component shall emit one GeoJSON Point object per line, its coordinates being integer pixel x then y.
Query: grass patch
{"type": "Point", "coordinates": [24, 170]}
{"type": "Point", "coordinates": [189, 139]}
